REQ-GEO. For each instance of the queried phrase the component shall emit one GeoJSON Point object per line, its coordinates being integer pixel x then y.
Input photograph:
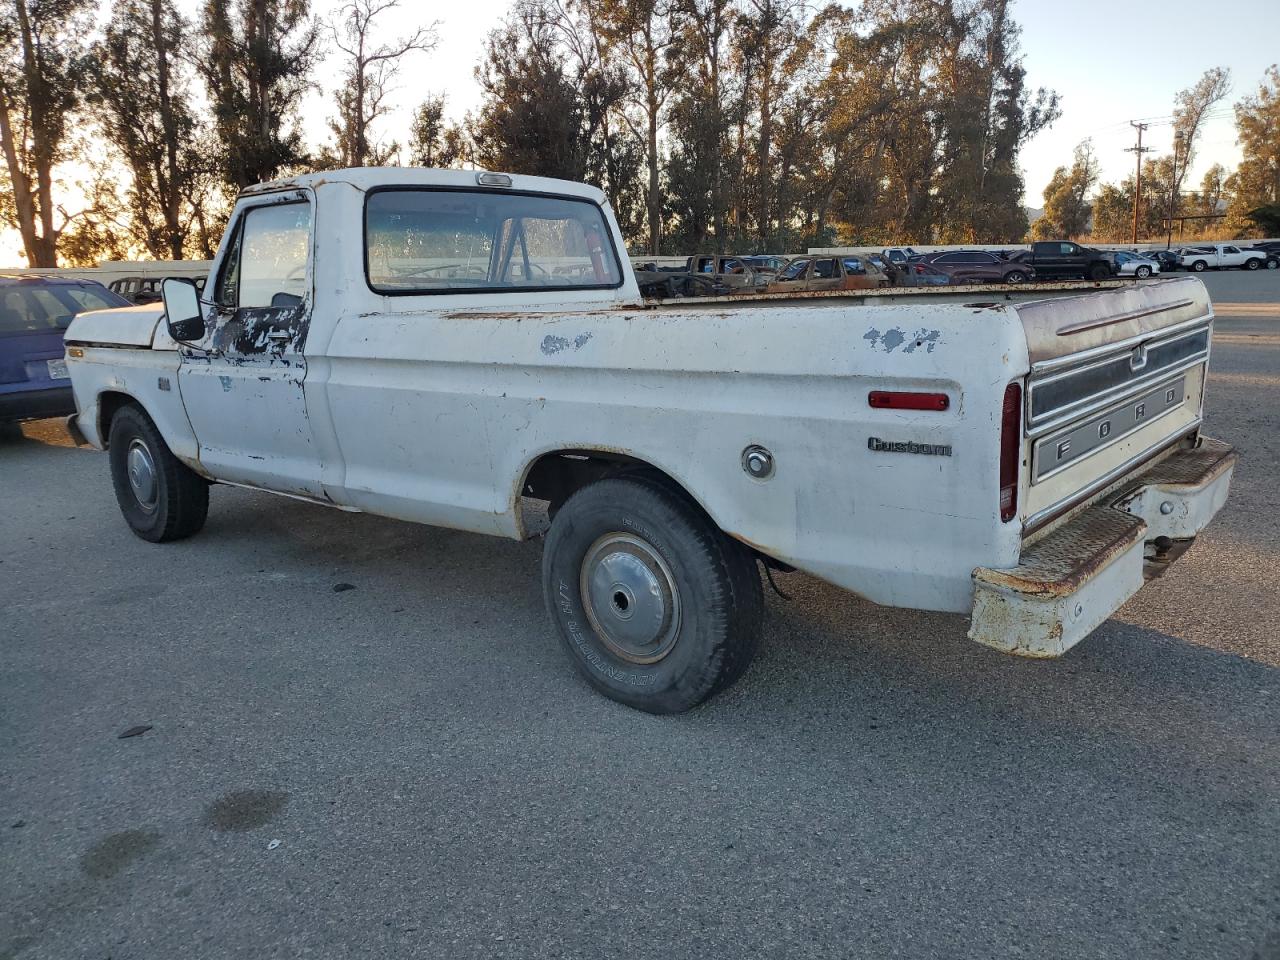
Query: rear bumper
{"type": "Point", "coordinates": [37, 404]}
{"type": "Point", "coordinates": [1069, 583]}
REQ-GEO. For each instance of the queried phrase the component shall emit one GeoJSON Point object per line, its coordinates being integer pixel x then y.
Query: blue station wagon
{"type": "Point", "coordinates": [34, 313]}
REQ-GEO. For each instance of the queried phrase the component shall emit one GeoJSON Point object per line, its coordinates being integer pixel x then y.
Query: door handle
{"type": "Point", "coordinates": [278, 336]}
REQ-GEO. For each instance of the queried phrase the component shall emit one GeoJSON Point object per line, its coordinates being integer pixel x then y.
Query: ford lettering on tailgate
{"type": "Point", "coordinates": [1059, 450]}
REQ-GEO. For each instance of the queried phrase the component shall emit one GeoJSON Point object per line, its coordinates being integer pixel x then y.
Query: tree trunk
{"type": "Point", "coordinates": [41, 247]}
{"type": "Point", "coordinates": [655, 195]}
{"type": "Point", "coordinates": [168, 183]}
{"type": "Point", "coordinates": [22, 200]}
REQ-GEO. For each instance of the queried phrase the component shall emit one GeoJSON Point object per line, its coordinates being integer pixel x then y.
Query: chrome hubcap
{"type": "Point", "coordinates": [142, 474]}
{"type": "Point", "coordinates": [630, 597]}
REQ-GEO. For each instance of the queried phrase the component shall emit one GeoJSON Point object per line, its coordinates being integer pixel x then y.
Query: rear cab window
{"type": "Point", "coordinates": [427, 241]}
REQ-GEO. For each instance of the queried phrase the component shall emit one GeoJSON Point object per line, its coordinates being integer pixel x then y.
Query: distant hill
{"type": "Point", "coordinates": [1033, 213]}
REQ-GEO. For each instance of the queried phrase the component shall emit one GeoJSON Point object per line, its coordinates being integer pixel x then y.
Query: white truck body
{"type": "Point", "coordinates": [446, 407]}
{"type": "Point", "coordinates": [1221, 256]}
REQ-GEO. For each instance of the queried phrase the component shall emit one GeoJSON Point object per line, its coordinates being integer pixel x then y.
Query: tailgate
{"type": "Point", "coordinates": [1116, 378]}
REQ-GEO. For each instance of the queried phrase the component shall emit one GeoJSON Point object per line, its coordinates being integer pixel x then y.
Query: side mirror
{"type": "Point", "coordinates": [182, 309]}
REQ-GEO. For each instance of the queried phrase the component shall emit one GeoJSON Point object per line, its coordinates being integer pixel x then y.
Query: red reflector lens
{"type": "Point", "coordinates": [903, 400]}
{"type": "Point", "coordinates": [1010, 447]}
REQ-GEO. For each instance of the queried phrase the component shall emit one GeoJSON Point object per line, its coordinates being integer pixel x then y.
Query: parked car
{"type": "Point", "coordinates": [978, 266]}
{"type": "Point", "coordinates": [899, 255]}
{"type": "Point", "coordinates": [1168, 259]}
{"type": "Point", "coordinates": [1222, 256]}
{"type": "Point", "coordinates": [34, 311]}
{"type": "Point", "coordinates": [1270, 250]}
{"type": "Point", "coordinates": [704, 275]}
{"type": "Point", "coordinates": [1129, 264]}
{"type": "Point", "coordinates": [137, 289]}
{"type": "Point", "coordinates": [1007, 460]}
{"type": "Point", "coordinates": [919, 274]}
{"type": "Point", "coordinates": [1064, 260]}
{"type": "Point", "coordinates": [766, 263]}
{"type": "Point", "coordinates": [804, 274]}
{"type": "Point", "coordinates": [1270, 246]}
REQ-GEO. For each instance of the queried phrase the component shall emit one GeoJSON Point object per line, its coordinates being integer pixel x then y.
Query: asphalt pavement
{"type": "Point", "coordinates": [409, 768]}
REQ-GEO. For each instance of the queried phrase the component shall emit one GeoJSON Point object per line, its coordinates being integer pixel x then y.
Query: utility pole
{"type": "Point", "coordinates": [1137, 187]}
{"type": "Point", "coordinates": [1173, 188]}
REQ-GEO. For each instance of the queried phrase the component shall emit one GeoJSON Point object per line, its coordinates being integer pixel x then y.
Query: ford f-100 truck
{"type": "Point", "coordinates": [1221, 256]}
{"type": "Point", "coordinates": [451, 347]}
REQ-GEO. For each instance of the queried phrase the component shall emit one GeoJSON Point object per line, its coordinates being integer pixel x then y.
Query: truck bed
{"type": "Point", "coordinates": [982, 292]}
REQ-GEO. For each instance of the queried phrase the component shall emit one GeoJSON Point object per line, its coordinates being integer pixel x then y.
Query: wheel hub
{"type": "Point", "coordinates": [630, 597]}
{"type": "Point", "coordinates": [141, 469]}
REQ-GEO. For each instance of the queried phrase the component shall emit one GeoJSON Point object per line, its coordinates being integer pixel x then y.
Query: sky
{"type": "Point", "coordinates": [1110, 63]}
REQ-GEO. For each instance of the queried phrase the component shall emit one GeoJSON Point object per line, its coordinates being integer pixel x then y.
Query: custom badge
{"type": "Point", "coordinates": [877, 445]}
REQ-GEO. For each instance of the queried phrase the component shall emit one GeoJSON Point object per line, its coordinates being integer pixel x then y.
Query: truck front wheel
{"type": "Point", "coordinates": [1099, 271]}
{"type": "Point", "coordinates": [160, 496]}
{"type": "Point", "coordinates": [655, 606]}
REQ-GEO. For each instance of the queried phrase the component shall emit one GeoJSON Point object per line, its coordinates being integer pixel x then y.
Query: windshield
{"type": "Point", "coordinates": [458, 241]}
{"type": "Point", "coordinates": [44, 307]}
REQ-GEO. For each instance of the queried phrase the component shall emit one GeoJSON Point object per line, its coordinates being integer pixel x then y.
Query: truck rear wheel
{"type": "Point", "coordinates": [655, 606]}
{"type": "Point", "coordinates": [161, 497]}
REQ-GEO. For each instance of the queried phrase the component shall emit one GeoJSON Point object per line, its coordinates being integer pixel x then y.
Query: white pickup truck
{"type": "Point", "coordinates": [450, 347]}
{"type": "Point", "coordinates": [1220, 256]}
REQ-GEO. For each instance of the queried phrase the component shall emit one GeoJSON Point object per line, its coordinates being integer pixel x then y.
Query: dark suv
{"type": "Point", "coordinates": [978, 266]}
{"type": "Point", "coordinates": [34, 312]}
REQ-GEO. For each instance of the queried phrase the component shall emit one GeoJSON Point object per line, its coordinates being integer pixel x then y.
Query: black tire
{"type": "Point", "coordinates": [1142, 272]}
{"type": "Point", "coordinates": [174, 502]}
{"type": "Point", "coordinates": [1272, 264]}
{"type": "Point", "coordinates": [694, 594]}
{"type": "Point", "coordinates": [1099, 271]}
{"type": "Point", "coordinates": [1016, 276]}
{"type": "Point", "coordinates": [1199, 266]}
{"type": "Point", "coordinates": [1253, 263]}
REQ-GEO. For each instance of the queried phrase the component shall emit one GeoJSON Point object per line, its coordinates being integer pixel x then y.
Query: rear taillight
{"type": "Point", "coordinates": [907, 400]}
{"type": "Point", "coordinates": [1010, 447]}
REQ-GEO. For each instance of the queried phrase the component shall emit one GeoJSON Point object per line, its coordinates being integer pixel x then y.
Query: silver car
{"type": "Point", "coordinates": [1130, 264]}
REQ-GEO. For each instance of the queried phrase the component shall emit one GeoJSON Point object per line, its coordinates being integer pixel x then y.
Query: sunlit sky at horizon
{"type": "Point", "coordinates": [1110, 62]}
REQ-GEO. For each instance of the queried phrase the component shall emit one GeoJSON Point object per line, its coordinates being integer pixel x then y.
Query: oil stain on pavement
{"type": "Point", "coordinates": [113, 853]}
{"type": "Point", "coordinates": [244, 809]}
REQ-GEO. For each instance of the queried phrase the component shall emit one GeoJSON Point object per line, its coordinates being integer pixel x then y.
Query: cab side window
{"type": "Point", "coordinates": [266, 265]}
{"type": "Point", "coordinates": [229, 276]}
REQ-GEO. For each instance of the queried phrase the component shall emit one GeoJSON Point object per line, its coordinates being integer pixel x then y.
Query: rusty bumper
{"type": "Point", "coordinates": [1071, 581]}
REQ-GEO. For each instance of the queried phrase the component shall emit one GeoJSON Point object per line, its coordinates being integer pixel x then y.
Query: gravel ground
{"type": "Point", "coordinates": [409, 767]}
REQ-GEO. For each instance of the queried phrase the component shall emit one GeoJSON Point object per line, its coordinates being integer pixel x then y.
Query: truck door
{"type": "Point", "coordinates": [1047, 258]}
{"type": "Point", "coordinates": [242, 382]}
